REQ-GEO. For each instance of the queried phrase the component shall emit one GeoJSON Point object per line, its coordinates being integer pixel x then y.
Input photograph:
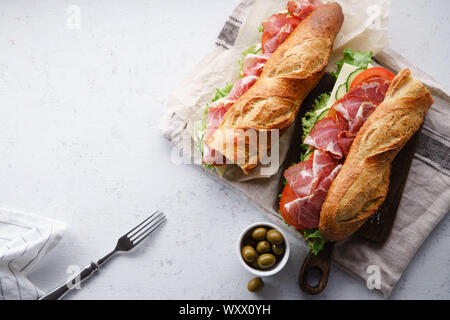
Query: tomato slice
{"type": "Point", "coordinates": [377, 72]}
{"type": "Point", "coordinates": [332, 113]}
{"type": "Point", "coordinates": [287, 196]}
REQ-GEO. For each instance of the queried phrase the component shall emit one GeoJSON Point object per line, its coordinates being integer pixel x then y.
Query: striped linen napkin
{"type": "Point", "coordinates": [426, 197]}
{"type": "Point", "coordinates": [24, 240]}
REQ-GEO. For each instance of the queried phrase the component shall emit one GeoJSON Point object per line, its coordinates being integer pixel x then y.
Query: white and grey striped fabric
{"type": "Point", "coordinates": [24, 240]}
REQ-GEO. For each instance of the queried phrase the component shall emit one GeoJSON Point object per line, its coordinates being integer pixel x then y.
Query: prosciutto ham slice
{"type": "Point", "coordinates": [324, 136]}
{"type": "Point", "coordinates": [275, 23]}
{"type": "Point", "coordinates": [279, 26]}
{"type": "Point", "coordinates": [270, 40]}
{"type": "Point", "coordinates": [305, 212]}
{"type": "Point", "coordinates": [345, 141]}
{"type": "Point", "coordinates": [300, 178]}
{"type": "Point", "coordinates": [301, 9]}
{"type": "Point", "coordinates": [309, 181]}
{"type": "Point", "coordinates": [253, 64]}
{"type": "Point", "coordinates": [374, 89]}
{"type": "Point", "coordinates": [360, 102]}
{"type": "Point", "coordinates": [241, 86]}
{"type": "Point", "coordinates": [215, 114]}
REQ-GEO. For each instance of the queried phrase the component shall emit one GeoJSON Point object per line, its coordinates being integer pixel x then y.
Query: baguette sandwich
{"type": "Point", "coordinates": [276, 76]}
{"type": "Point", "coordinates": [351, 138]}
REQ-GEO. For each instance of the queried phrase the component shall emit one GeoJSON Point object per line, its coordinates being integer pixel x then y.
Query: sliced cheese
{"type": "Point", "coordinates": [346, 70]}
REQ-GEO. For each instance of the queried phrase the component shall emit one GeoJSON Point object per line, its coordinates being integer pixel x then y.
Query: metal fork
{"type": "Point", "coordinates": [125, 243]}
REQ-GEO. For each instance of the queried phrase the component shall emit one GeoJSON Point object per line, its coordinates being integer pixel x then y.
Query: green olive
{"type": "Point", "coordinates": [266, 260]}
{"type": "Point", "coordinates": [259, 234]}
{"type": "Point", "coordinates": [278, 249]}
{"type": "Point", "coordinates": [274, 237]}
{"type": "Point", "coordinates": [249, 254]}
{"type": "Point", "coordinates": [255, 285]}
{"type": "Point", "coordinates": [263, 246]}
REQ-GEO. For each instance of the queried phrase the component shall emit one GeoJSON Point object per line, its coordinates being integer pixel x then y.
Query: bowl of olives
{"type": "Point", "coordinates": [263, 249]}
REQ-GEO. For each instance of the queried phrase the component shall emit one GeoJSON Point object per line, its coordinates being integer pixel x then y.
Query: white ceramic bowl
{"type": "Point", "coordinates": [275, 269]}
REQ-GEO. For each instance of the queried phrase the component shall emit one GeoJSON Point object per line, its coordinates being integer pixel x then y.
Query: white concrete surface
{"type": "Point", "coordinates": [79, 142]}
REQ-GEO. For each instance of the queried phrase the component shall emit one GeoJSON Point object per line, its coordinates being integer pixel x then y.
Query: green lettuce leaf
{"type": "Point", "coordinates": [311, 117]}
{"type": "Point", "coordinates": [200, 136]}
{"type": "Point", "coordinates": [316, 241]}
{"type": "Point", "coordinates": [222, 93]}
{"type": "Point", "coordinates": [355, 58]}
{"type": "Point", "coordinates": [261, 28]}
{"type": "Point", "coordinates": [307, 151]}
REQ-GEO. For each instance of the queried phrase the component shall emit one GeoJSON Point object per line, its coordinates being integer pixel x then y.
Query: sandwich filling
{"type": "Point", "coordinates": [327, 143]}
{"type": "Point", "coordinates": [275, 30]}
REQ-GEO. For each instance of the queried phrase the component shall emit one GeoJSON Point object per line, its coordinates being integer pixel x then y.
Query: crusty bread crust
{"type": "Point", "coordinates": [288, 77]}
{"type": "Point", "coordinates": [362, 184]}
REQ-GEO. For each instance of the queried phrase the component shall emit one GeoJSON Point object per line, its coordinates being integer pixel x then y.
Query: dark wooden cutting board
{"type": "Point", "coordinates": [378, 227]}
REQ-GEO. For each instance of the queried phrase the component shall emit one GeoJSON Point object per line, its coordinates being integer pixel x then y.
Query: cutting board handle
{"type": "Point", "coordinates": [322, 263]}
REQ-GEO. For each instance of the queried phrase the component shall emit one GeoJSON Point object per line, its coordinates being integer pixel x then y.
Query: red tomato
{"type": "Point", "coordinates": [376, 72]}
{"type": "Point", "coordinates": [287, 196]}
{"type": "Point", "coordinates": [332, 113]}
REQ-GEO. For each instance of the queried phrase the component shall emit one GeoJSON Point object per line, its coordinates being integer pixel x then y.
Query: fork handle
{"type": "Point", "coordinates": [63, 289]}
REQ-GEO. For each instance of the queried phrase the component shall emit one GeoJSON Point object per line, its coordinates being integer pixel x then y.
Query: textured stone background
{"type": "Point", "coordinates": [79, 142]}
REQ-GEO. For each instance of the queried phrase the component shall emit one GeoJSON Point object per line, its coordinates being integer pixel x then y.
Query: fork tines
{"type": "Point", "coordinates": [144, 229]}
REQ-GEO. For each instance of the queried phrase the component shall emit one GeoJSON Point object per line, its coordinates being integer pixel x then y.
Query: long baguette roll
{"type": "Point", "coordinates": [288, 77]}
{"type": "Point", "coordinates": [362, 184]}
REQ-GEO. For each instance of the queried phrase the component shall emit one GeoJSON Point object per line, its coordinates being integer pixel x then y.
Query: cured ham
{"type": "Point", "coordinates": [360, 102]}
{"type": "Point", "coordinates": [308, 182]}
{"type": "Point", "coordinates": [300, 178]}
{"type": "Point", "coordinates": [279, 26]}
{"type": "Point", "coordinates": [294, 21]}
{"type": "Point", "coordinates": [345, 141]}
{"type": "Point", "coordinates": [302, 9]}
{"type": "Point", "coordinates": [275, 24]}
{"type": "Point", "coordinates": [324, 136]}
{"type": "Point", "coordinates": [276, 29]}
{"type": "Point", "coordinates": [215, 114]}
{"type": "Point", "coordinates": [241, 86]}
{"type": "Point", "coordinates": [253, 64]}
{"type": "Point", "coordinates": [374, 89]}
{"type": "Point", "coordinates": [305, 212]}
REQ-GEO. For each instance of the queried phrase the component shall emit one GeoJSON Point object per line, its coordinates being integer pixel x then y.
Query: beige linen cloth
{"type": "Point", "coordinates": [426, 197]}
